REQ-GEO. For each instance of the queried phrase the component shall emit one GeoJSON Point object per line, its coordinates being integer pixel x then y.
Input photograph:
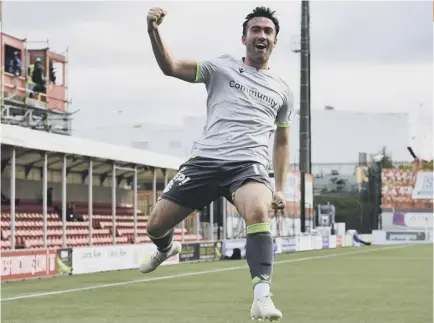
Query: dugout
{"type": "Point", "coordinates": [78, 170]}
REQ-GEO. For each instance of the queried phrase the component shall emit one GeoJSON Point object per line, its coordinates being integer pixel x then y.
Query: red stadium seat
{"type": "Point", "coordinates": [29, 226]}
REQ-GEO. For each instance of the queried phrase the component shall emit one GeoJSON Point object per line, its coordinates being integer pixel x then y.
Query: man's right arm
{"type": "Point", "coordinates": [185, 70]}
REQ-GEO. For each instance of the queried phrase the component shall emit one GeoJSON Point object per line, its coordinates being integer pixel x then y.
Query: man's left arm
{"type": "Point", "coordinates": [281, 157]}
{"type": "Point", "coordinates": [281, 150]}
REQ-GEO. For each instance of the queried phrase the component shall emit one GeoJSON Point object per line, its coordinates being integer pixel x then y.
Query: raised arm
{"type": "Point", "coordinates": [182, 69]}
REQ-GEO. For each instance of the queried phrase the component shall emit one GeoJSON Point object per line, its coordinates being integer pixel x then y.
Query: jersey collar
{"type": "Point", "coordinates": [253, 68]}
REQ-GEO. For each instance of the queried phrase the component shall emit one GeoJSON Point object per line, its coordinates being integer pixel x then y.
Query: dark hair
{"type": "Point", "coordinates": [262, 12]}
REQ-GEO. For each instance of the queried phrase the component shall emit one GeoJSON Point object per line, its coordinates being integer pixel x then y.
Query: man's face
{"type": "Point", "coordinates": [260, 39]}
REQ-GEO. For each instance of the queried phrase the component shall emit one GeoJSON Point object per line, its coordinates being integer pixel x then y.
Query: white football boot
{"type": "Point", "coordinates": [263, 309]}
{"type": "Point", "coordinates": [152, 261]}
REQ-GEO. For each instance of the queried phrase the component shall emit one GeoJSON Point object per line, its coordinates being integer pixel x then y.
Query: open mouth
{"type": "Point", "coordinates": [261, 46]}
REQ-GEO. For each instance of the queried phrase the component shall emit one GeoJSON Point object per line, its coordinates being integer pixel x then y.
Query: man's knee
{"type": "Point", "coordinates": [257, 212]}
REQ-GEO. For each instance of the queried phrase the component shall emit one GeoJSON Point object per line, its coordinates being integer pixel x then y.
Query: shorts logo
{"type": "Point", "coordinates": [179, 178]}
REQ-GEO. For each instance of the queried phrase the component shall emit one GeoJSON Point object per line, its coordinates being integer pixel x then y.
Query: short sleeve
{"type": "Point", "coordinates": [284, 115]}
{"type": "Point", "coordinates": [206, 68]}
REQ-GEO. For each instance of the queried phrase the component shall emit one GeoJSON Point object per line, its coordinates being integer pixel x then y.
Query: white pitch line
{"type": "Point", "coordinates": [391, 258]}
{"type": "Point", "coordinates": [189, 274]}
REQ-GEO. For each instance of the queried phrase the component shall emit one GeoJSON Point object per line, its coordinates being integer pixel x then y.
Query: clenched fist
{"type": "Point", "coordinates": [155, 18]}
{"type": "Point", "coordinates": [278, 201]}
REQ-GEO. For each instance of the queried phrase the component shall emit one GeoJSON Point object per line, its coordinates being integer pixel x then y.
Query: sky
{"type": "Point", "coordinates": [366, 56]}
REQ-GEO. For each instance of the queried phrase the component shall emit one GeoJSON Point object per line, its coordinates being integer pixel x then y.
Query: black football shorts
{"type": "Point", "coordinates": [201, 180]}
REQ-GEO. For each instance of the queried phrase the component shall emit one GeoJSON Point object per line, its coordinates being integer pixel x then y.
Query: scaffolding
{"type": "Point", "coordinates": [20, 104]}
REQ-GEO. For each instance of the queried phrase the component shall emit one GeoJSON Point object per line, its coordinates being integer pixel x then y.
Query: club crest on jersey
{"type": "Point", "coordinates": [253, 93]}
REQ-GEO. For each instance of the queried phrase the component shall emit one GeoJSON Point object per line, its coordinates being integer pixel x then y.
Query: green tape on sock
{"type": "Point", "coordinates": [258, 227]}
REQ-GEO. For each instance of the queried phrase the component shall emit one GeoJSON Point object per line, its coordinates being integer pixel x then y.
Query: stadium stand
{"type": "Point", "coordinates": [24, 226]}
{"type": "Point", "coordinates": [59, 190]}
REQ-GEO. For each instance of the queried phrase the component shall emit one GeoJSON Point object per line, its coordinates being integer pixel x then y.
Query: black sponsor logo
{"type": "Point", "coordinates": [93, 253]}
{"type": "Point", "coordinates": [406, 236]}
{"type": "Point", "coordinates": [117, 253]}
{"type": "Point", "coordinates": [254, 93]}
{"type": "Point", "coordinates": [207, 251]}
{"type": "Point", "coordinates": [189, 252]}
{"type": "Point", "coordinates": [198, 251]}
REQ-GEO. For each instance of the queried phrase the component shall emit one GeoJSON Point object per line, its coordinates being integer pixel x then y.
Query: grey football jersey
{"type": "Point", "coordinates": [244, 105]}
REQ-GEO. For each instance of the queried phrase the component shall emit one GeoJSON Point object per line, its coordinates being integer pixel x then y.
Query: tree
{"type": "Point", "coordinates": [386, 161]}
{"type": "Point", "coordinates": [427, 165]}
